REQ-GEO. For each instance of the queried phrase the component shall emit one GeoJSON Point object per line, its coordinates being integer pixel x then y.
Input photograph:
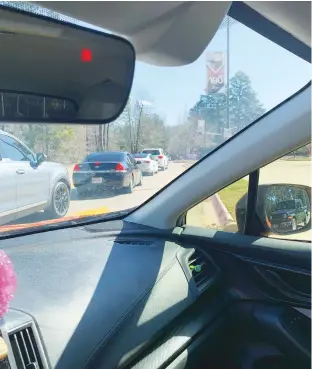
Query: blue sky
{"type": "Point", "coordinates": [275, 74]}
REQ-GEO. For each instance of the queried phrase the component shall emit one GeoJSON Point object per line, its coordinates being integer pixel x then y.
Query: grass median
{"type": "Point", "coordinates": [199, 215]}
{"type": "Point", "coordinates": [231, 194]}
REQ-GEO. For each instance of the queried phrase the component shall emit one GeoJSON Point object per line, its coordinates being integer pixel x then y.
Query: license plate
{"type": "Point", "coordinates": [97, 180]}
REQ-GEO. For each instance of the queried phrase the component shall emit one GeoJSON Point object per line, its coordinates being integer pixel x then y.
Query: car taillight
{"type": "Point", "coordinates": [76, 168]}
{"type": "Point", "coordinates": [119, 167]}
{"type": "Point", "coordinates": [160, 157]}
{"type": "Point", "coordinates": [97, 163]}
{"type": "Point", "coordinates": [147, 161]}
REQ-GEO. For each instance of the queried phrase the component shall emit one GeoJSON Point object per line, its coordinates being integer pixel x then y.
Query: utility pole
{"type": "Point", "coordinates": [227, 23]}
{"type": "Point", "coordinates": [140, 106]}
{"type": "Point", "coordinates": [227, 74]}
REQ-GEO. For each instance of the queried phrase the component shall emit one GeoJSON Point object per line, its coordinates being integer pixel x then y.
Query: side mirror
{"type": "Point", "coordinates": [40, 158]}
{"type": "Point", "coordinates": [282, 209]}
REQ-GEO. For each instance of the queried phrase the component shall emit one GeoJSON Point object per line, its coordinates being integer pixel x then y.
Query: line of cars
{"type": "Point", "coordinates": [117, 171]}
{"type": "Point", "coordinates": [29, 183]}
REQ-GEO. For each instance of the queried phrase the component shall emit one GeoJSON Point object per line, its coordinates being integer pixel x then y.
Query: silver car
{"type": "Point", "coordinates": [28, 183]}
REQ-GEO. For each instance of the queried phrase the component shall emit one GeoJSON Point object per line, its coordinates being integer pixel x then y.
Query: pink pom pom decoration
{"type": "Point", "coordinates": [7, 282]}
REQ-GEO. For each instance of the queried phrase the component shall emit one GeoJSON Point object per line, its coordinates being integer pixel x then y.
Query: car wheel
{"type": "Point", "coordinates": [294, 224]}
{"type": "Point", "coordinates": [60, 201]}
{"type": "Point", "coordinates": [129, 189]}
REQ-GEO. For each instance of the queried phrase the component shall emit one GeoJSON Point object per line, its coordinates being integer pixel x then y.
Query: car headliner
{"type": "Point", "coordinates": [161, 30]}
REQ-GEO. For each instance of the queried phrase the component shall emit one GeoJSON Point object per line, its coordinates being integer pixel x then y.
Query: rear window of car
{"type": "Point", "coordinates": [140, 155]}
{"type": "Point", "coordinates": [152, 152]}
{"type": "Point", "coordinates": [105, 156]}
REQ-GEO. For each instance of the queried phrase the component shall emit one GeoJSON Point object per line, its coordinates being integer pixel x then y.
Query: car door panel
{"type": "Point", "coordinates": [32, 182]}
{"type": "Point", "coordinates": [8, 191]}
{"type": "Point", "coordinates": [253, 306]}
{"type": "Point", "coordinates": [32, 186]}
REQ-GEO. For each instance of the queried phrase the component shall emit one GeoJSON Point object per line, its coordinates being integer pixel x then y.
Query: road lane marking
{"type": "Point", "coordinates": [97, 211]}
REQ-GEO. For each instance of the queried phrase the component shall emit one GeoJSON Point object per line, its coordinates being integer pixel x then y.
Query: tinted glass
{"type": "Point", "coordinates": [152, 152]}
{"type": "Point", "coordinates": [12, 149]}
{"type": "Point", "coordinates": [109, 156]}
{"type": "Point", "coordinates": [140, 155]}
{"type": "Point", "coordinates": [285, 205]}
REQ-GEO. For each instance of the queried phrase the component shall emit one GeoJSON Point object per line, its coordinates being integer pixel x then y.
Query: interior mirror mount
{"type": "Point", "coordinates": [72, 74]}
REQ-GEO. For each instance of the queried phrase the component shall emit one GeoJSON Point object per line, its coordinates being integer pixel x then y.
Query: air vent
{"type": "Point", "coordinates": [203, 270]}
{"type": "Point", "coordinates": [25, 349]}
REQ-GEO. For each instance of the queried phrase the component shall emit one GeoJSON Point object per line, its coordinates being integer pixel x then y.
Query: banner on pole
{"type": "Point", "coordinates": [215, 73]}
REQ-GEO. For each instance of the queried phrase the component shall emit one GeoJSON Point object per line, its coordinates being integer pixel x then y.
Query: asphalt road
{"type": "Point", "coordinates": [108, 202]}
{"type": "Point", "coordinates": [151, 184]}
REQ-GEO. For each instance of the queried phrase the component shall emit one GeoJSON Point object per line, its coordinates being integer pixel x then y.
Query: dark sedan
{"type": "Point", "coordinates": [101, 171]}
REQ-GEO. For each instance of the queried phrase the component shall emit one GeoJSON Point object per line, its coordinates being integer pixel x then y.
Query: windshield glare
{"type": "Point", "coordinates": [185, 111]}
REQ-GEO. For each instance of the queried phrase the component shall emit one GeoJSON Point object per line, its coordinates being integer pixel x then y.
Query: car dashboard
{"type": "Point", "coordinates": [112, 295]}
{"type": "Point", "coordinates": [83, 292]}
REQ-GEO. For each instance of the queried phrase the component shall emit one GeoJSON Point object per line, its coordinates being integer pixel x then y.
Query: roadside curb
{"type": "Point", "coordinates": [98, 211]}
{"type": "Point", "coordinates": [223, 215]}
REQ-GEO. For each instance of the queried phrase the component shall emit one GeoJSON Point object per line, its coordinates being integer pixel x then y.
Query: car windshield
{"type": "Point", "coordinates": [185, 111]}
{"type": "Point", "coordinates": [140, 155]}
{"type": "Point", "coordinates": [286, 205]}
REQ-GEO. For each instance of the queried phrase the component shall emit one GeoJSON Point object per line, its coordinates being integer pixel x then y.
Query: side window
{"type": "Point", "coordinates": [286, 202]}
{"type": "Point", "coordinates": [12, 149]}
{"type": "Point", "coordinates": [219, 210]}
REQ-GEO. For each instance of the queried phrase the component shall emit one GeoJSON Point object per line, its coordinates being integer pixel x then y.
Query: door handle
{"type": "Point", "coordinates": [20, 171]}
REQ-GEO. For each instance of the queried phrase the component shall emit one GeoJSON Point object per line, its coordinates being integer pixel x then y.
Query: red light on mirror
{"type": "Point", "coordinates": [86, 55]}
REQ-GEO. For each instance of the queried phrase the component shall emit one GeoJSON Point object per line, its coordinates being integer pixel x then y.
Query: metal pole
{"type": "Point", "coordinates": [228, 73]}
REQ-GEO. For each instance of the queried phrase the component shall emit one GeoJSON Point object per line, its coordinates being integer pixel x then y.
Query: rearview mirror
{"type": "Point", "coordinates": [55, 72]}
{"type": "Point", "coordinates": [282, 209]}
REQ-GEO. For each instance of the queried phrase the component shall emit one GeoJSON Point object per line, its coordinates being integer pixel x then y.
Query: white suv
{"type": "Point", "coordinates": [28, 183]}
{"type": "Point", "coordinates": [158, 155]}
